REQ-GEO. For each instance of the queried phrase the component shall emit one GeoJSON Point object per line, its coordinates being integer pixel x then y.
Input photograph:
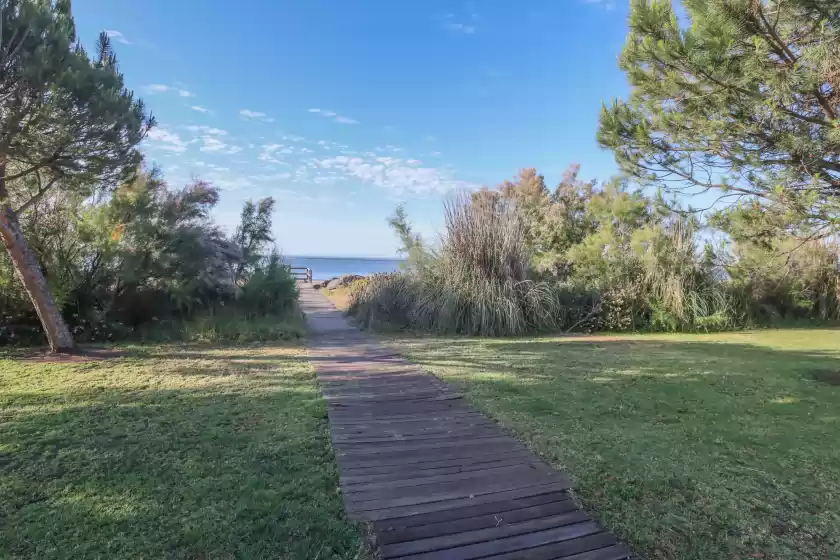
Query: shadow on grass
{"type": "Point", "coordinates": [158, 468]}
{"type": "Point", "coordinates": [687, 449]}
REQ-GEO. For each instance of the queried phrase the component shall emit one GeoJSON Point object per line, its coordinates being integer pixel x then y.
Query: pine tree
{"type": "Point", "coordinates": [65, 119]}
{"type": "Point", "coordinates": [745, 99]}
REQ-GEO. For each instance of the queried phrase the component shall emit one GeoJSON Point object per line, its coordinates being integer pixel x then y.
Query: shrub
{"type": "Point", "coordinates": [476, 284]}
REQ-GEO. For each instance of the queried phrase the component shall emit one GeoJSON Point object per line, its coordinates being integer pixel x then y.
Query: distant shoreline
{"type": "Point", "coordinates": [396, 259]}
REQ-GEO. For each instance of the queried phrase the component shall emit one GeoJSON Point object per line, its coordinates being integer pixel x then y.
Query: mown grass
{"type": "Point", "coordinates": [687, 446]}
{"type": "Point", "coordinates": [169, 452]}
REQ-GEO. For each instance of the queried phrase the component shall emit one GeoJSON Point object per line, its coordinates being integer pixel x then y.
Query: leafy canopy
{"type": "Point", "coordinates": [65, 116]}
{"type": "Point", "coordinates": [746, 100]}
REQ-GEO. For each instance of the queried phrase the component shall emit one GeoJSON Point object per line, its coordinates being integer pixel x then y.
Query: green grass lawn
{"type": "Point", "coordinates": [686, 446]}
{"type": "Point", "coordinates": [169, 453]}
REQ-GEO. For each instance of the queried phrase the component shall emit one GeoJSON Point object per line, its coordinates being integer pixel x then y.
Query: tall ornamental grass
{"type": "Point", "coordinates": [477, 284]}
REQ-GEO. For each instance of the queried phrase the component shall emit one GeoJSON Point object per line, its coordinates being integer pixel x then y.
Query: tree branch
{"type": "Point", "coordinates": [36, 197]}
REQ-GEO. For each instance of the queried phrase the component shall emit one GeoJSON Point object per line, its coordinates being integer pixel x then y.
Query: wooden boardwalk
{"type": "Point", "coordinates": [437, 479]}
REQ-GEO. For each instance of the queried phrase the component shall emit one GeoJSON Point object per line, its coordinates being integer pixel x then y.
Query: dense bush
{"type": "Point", "coordinates": [477, 284]}
{"type": "Point", "coordinates": [146, 259]}
{"type": "Point", "coordinates": [522, 259]}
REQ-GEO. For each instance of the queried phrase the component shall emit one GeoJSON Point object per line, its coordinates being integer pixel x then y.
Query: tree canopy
{"type": "Point", "coordinates": [743, 98]}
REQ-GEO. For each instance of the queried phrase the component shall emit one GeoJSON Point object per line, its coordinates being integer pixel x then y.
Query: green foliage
{"type": "Point", "coordinates": [148, 258]}
{"type": "Point", "coordinates": [744, 98]}
{"type": "Point", "coordinates": [416, 253]}
{"type": "Point", "coordinates": [619, 261]}
{"type": "Point", "coordinates": [69, 121]}
{"type": "Point", "coordinates": [477, 284]}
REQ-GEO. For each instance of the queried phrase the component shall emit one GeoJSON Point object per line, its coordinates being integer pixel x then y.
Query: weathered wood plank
{"type": "Point", "coordinates": [417, 509]}
{"type": "Point", "coordinates": [481, 508]}
{"type": "Point", "coordinates": [482, 535]}
{"type": "Point", "coordinates": [495, 519]}
{"type": "Point", "coordinates": [414, 474]}
{"type": "Point", "coordinates": [417, 495]}
{"type": "Point", "coordinates": [525, 471]}
{"type": "Point", "coordinates": [426, 465]}
{"type": "Point", "coordinates": [563, 549]}
{"type": "Point", "coordinates": [509, 544]}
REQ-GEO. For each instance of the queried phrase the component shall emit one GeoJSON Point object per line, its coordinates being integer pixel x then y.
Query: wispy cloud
{"type": "Point", "coordinates": [165, 140]}
{"type": "Point", "coordinates": [163, 88]}
{"type": "Point", "coordinates": [330, 114]}
{"type": "Point", "coordinates": [199, 108]}
{"type": "Point", "coordinates": [211, 143]}
{"type": "Point", "coordinates": [270, 153]}
{"type": "Point", "coordinates": [271, 177]}
{"type": "Point", "coordinates": [255, 115]}
{"type": "Point", "coordinates": [450, 23]}
{"type": "Point", "coordinates": [608, 5]}
{"type": "Point", "coordinates": [117, 36]}
{"type": "Point", "coordinates": [395, 174]}
{"type": "Point", "coordinates": [207, 130]}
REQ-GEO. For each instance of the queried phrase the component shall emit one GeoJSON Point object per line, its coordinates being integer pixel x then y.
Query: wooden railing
{"type": "Point", "coordinates": [301, 273]}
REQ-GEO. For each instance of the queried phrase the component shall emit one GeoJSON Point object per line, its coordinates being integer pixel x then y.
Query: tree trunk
{"type": "Point", "coordinates": [29, 272]}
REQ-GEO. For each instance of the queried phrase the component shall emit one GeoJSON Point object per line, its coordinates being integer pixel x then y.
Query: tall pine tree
{"type": "Point", "coordinates": [744, 97]}
{"type": "Point", "coordinates": [66, 120]}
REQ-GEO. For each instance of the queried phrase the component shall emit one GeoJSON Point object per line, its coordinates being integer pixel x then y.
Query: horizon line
{"type": "Point", "coordinates": [367, 257]}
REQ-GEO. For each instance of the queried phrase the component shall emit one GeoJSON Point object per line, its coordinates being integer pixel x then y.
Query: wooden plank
{"type": "Point", "coordinates": [413, 496]}
{"type": "Point", "coordinates": [482, 535]}
{"type": "Point", "coordinates": [510, 544]}
{"type": "Point", "coordinates": [428, 434]}
{"type": "Point", "coordinates": [562, 549]}
{"type": "Point", "coordinates": [430, 419]}
{"type": "Point", "coordinates": [478, 434]}
{"type": "Point", "coordinates": [411, 457]}
{"type": "Point", "coordinates": [478, 509]}
{"type": "Point", "coordinates": [418, 509]}
{"type": "Point", "coordinates": [425, 463]}
{"type": "Point", "coordinates": [614, 552]}
{"type": "Point", "coordinates": [350, 481]}
{"type": "Point", "coordinates": [507, 471]}
{"type": "Point", "coordinates": [365, 450]}
{"type": "Point", "coordinates": [487, 521]}
{"type": "Point", "coordinates": [379, 397]}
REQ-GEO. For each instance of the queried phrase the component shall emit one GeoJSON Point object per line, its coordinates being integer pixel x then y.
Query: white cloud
{"type": "Point", "coordinates": [395, 174]}
{"type": "Point", "coordinates": [207, 130]}
{"type": "Point", "coordinates": [608, 5]}
{"type": "Point", "coordinates": [460, 27]}
{"type": "Point", "coordinates": [414, 162]}
{"type": "Point", "coordinates": [117, 36]}
{"type": "Point", "coordinates": [256, 115]}
{"type": "Point", "coordinates": [165, 140]}
{"type": "Point", "coordinates": [271, 177]}
{"type": "Point", "coordinates": [212, 144]}
{"type": "Point", "coordinates": [450, 23]}
{"type": "Point", "coordinates": [163, 88]}
{"type": "Point", "coordinates": [269, 153]}
{"type": "Point", "coordinates": [199, 108]}
{"type": "Point", "coordinates": [338, 118]}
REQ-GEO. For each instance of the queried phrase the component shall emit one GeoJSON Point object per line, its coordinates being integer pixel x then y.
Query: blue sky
{"type": "Point", "coordinates": [340, 110]}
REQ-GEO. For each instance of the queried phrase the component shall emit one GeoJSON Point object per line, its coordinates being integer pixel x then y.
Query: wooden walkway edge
{"type": "Point", "coordinates": [437, 479]}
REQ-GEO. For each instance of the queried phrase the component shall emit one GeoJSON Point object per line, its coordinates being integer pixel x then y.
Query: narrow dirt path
{"type": "Point", "coordinates": [437, 479]}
